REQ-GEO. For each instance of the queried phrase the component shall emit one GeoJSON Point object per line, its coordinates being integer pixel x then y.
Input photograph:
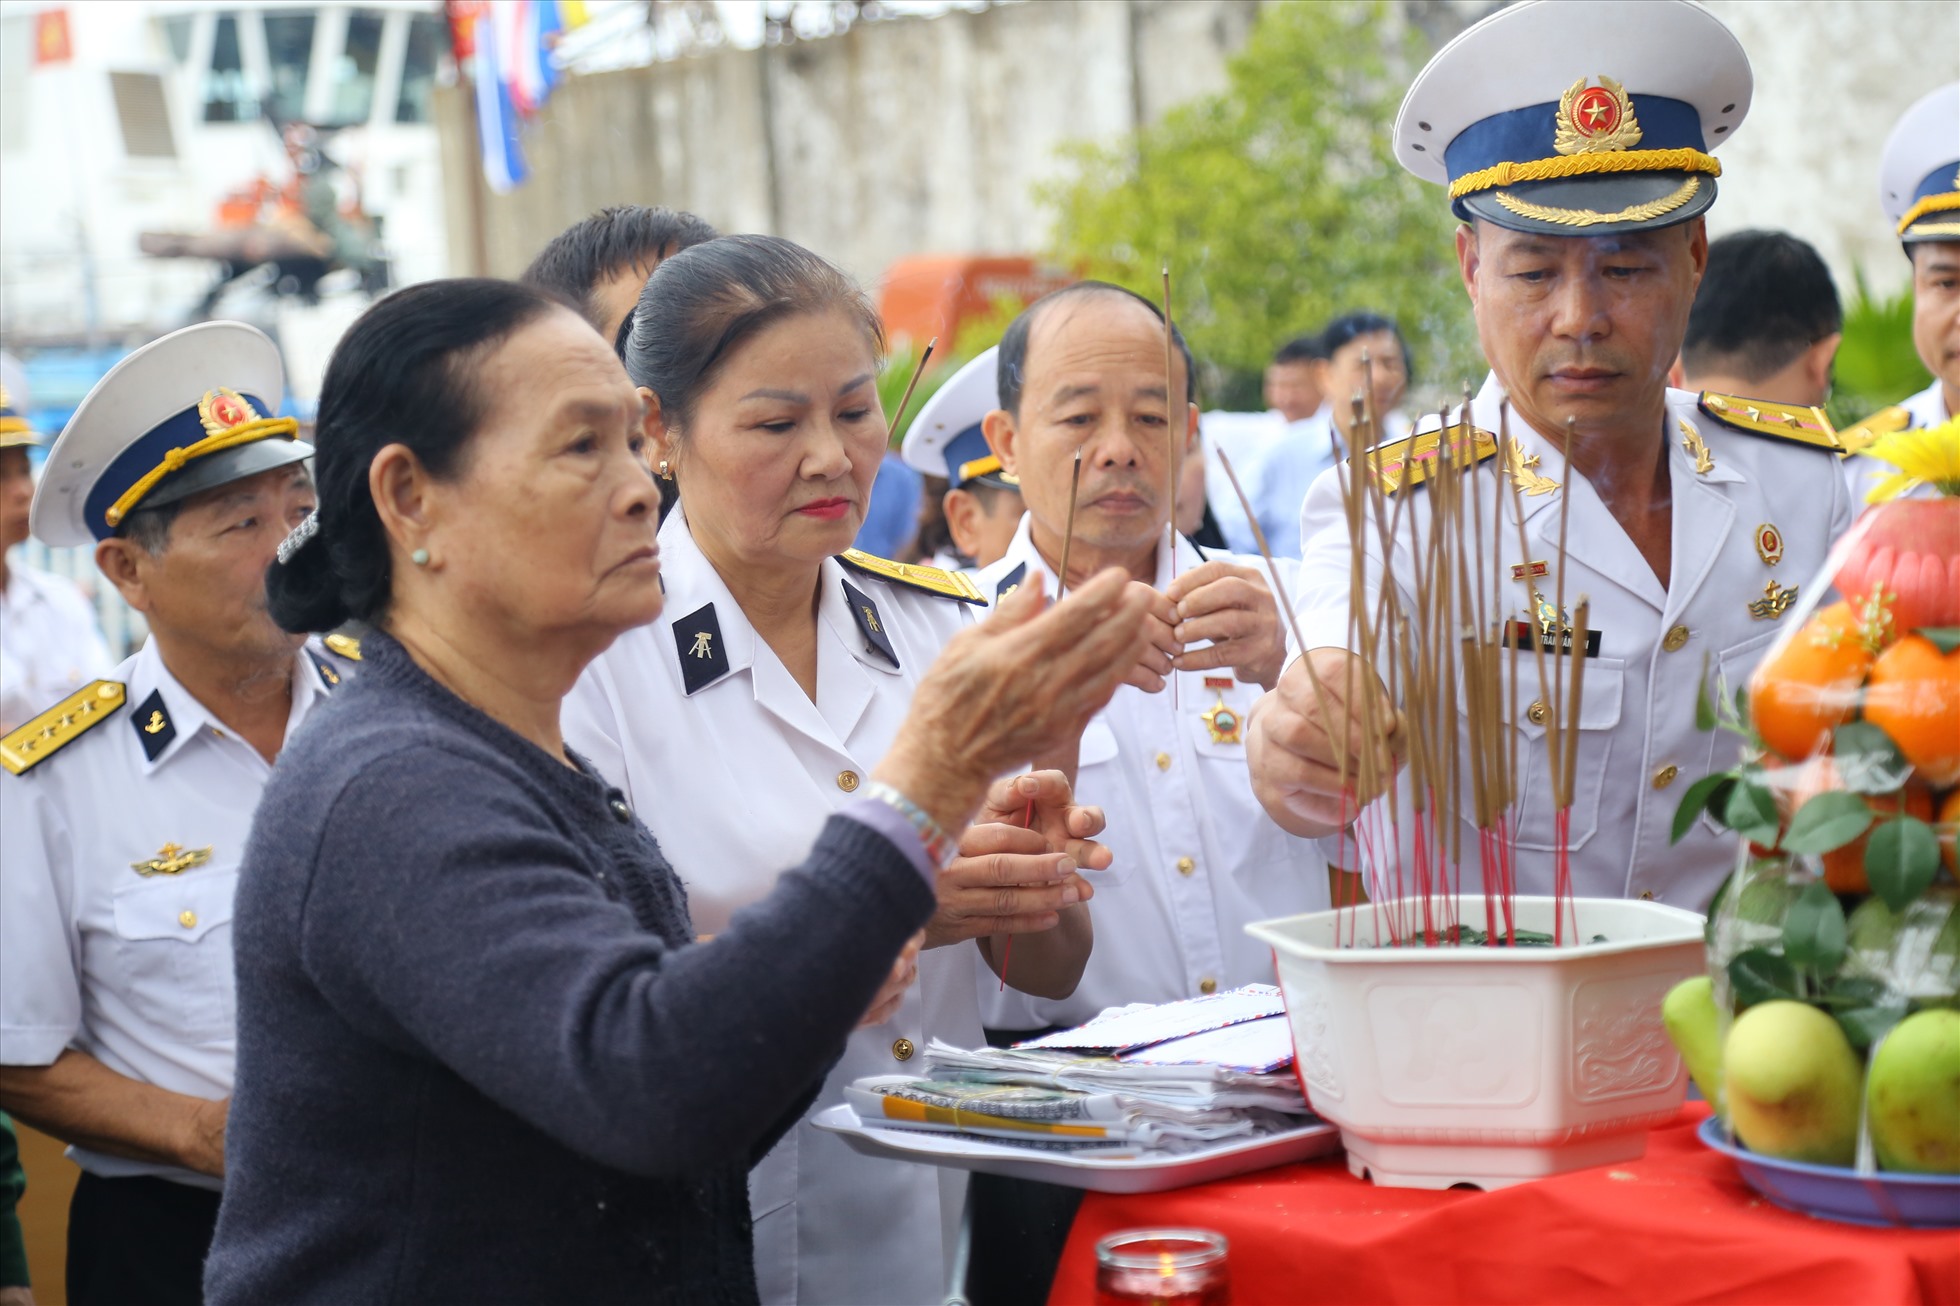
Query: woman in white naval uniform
{"type": "Point", "coordinates": [777, 679]}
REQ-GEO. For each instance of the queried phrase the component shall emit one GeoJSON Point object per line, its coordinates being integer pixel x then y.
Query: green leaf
{"type": "Point", "coordinates": [1813, 932]}
{"type": "Point", "coordinates": [1750, 811]}
{"type": "Point", "coordinates": [1715, 907]}
{"type": "Point", "coordinates": [1704, 706]}
{"type": "Point", "coordinates": [1709, 794]}
{"type": "Point", "coordinates": [1868, 762]}
{"type": "Point", "coordinates": [1902, 859]}
{"type": "Point", "coordinates": [1759, 975]}
{"type": "Point", "coordinates": [1864, 1026]}
{"type": "Point", "coordinates": [1826, 822]}
{"type": "Point", "coordinates": [1853, 991]}
{"type": "Point", "coordinates": [1945, 638]}
{"type": "Point", "coordinates": [1742, 704]}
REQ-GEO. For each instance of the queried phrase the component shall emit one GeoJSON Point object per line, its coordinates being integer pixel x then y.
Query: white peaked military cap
{"type": "Point", "coordinates": [1919, 174]}
{"type": "Point", "coordinates": [182, 414]}
{"type": "Point", "coordinates": [945, 438]}
{"type": "Point", "coordinates": [1578, 117]}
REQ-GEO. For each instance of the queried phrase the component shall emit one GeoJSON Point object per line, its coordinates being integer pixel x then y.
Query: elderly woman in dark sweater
{"type": "Point", "coordinates": [480, 1055]}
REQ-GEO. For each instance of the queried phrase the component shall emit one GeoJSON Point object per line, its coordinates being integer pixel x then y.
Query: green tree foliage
{"type": "Point", "coordinates": [1877, 363]}
{"type": "Point", "coordinates": [1279, 204]}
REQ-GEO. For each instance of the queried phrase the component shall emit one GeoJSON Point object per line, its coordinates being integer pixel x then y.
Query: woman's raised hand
{"type": "Point", "coordinates": [1014, 687]}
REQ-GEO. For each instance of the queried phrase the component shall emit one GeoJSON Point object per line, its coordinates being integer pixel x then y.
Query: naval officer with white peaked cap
{"type": "Point", "coordinates": [1919, 186]}
{"type": "Point", "coordinates": [982, 502]}
{"type": "Point", "coordinates": [126, 806]}
{"type": "Point", "coordinates": [1575, 141]}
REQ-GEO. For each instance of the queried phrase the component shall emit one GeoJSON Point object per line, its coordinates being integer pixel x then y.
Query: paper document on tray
{"type": "Point", "coordinates": [1023, 1112]}
{"type": "Point", "coordinates": [1143, 1024]}
{"type": "Point", "coordinates": [1255, 1047]}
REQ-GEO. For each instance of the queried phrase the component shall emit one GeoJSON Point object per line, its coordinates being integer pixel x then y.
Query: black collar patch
{"type": "Point", "coordinates": [1010, 582]}
{"type": "Point", "coordinates": [153, 725]}
{"type": "Point", "coordinates": [704, 657]}
{"type": "Point", "coordinates": [866, 613]}
{"type": "Point", "coordinates": [328, 676]}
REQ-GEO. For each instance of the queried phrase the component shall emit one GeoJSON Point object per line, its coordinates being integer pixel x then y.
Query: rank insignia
{"type": "Point", "coordinates": [865, 613]}
{"type": "Point", "coordinates": [345, 645]}
{"type": "Point", "coordinates": [153, 726]}
{"type": "Point", "coordinates": [1769, 544]}
{"type": "Point", "coordinates": [1010, 582]}
{"type": "Point", "coordinates": [1530, 570]}
{"type": "Point", "coordinates": [1520, 465]}
{"type": "Point", "coordinates": [704, 660]}
{"type": "Point", "coordinates": [60, 725]}
{"type": "Point", "coordinates": [1697, 449]}
{"type": "Point", "coordinates": [172, 859]}
{"type": "Point", "coordinates": [914, 575]}
{"type": "Point", "coordinates": [1592, 119]}
{"type": "Point", "coordinates": [328, 676]}
{"type": "Point", "coordinates": [1410, 461]}
{"type": "Point", "coordinates": [1774, 603]}
{"type": "Point", "coordinates": [1224, 723]}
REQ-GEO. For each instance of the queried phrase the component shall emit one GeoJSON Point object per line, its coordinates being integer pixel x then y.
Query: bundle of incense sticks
{"type": "Point", "coordinates": [1440, 631]}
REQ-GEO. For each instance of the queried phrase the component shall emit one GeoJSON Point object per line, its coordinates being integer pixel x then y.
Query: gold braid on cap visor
{"type": "Point", "coordinates": [262, 428]}
{"type": "Point", "coordinates": [1585, 165]}
{"type": "Point", "coordinates": [1930, 204]}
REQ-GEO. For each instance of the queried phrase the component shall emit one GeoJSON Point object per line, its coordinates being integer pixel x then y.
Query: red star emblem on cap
{"type": "Point", "coordinates": [1595, 112]}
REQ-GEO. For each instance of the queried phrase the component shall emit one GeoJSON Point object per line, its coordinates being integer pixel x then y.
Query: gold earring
{"type": "Point", "coordinates": [665, 475]}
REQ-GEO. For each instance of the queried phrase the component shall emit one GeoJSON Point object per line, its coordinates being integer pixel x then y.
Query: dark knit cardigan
{"type": "Point", "coordinates": [479, 1057]}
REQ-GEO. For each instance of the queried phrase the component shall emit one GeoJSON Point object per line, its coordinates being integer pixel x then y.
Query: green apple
{"type": "Point", "coordinates": [1793, 1084]}
{"type": "Point", "coordinates": [1913, 1101]}
{"type": "Point", "coordinates": [1692, 1022]}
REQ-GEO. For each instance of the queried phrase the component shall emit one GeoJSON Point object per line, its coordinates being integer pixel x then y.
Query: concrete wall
{"type": "Point", "coordinates": [930, 135]}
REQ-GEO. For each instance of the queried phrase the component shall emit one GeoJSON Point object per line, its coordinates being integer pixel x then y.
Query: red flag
{"type": "Point", "coordinates": [51, 43]}
{"type": "Point", "coordinates": [463, 16]}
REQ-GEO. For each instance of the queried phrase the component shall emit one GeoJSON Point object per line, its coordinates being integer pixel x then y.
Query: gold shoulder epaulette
{"type": "Point", "coordinates": [345, 645]}
{"type": "Point", "coordinates": [1778, 421]}
{"type": "Point", "coordinates": [933, 580]}
{"type": "Point", "coordinates": [1411, 461]}
{"type": "Point", "coordinates": [61, 725]}
{"type": "Point", "coordinates": [1856, 439]}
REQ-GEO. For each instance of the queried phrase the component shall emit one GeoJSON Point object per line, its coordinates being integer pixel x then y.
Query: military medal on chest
{"type": "Point", "coordinates": [1225, 723]}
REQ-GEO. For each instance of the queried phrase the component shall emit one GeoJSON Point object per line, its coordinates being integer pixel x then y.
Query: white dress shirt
{"type": "Point", "coordinates": [735, 780]}
{"type": "Point", "coordinates": [1195, 856]}
{"type": "Point", "coordinates": [121, 857]}
{"type": "Point", "coordinates": [1927, 408]}
{"type": "Point", "coordinates": [1639, 748]}
{"type": "Point", "coordinates": [49, 644]}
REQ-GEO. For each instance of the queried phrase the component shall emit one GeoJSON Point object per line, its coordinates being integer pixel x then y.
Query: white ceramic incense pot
{"type": "Point", "coordinates": [1487, 1066]}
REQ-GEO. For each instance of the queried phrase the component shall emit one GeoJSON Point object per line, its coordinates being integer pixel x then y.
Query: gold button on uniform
{"type": "Point", "coordinates": [1163, 761]}
{"type": "Point", "coordinates": [1646, 895]}
{"type": "Point", "coordinates": [1676, 637]}
{"type": "Point", "coordinates": [1207, 985]}
{"type": "Point", "coordinates": [1665, 776]}
{"type": "Point", "coordinates": [187, 918]}
{"type": "Point", "coordinates": [902, 1049]}
{"type": "Point", "coordinates": [847, 781]}
{"type": "Point", "coordinates": [1536, 713]}
{"type": "Point", "coordinates": [1185, 866]}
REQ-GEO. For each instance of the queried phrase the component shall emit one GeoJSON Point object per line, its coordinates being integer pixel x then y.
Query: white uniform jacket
{"type": "Point", "coordinates": [734, 769]}
{"type": "Point", "coordinates": [1195, 857]}
{"type": "Point", "coordinates": [1639, 748]}
{"type": "Point", "coordinates": [49, 644]}
{"type": "Point", "coordinates": [121, 857]}
{"type": "Point", "coordinates": [1927, 408]}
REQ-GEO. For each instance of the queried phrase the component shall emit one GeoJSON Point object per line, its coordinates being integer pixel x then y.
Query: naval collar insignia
{"type": "Point", "coordinates": [703, 652]}
{"type": "Point", "coordinates": [153, 725]}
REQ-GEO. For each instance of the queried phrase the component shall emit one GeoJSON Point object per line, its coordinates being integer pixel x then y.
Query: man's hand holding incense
{"type": "Point", "coordinates": [1232, 607]}
{"type": "Point", "coordinates": [1152, 669]}
{"type": "Point", "coordinates": [1304, 743]}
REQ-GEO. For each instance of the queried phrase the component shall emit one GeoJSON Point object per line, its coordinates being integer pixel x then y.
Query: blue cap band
{"type": "Point", "coordinates": [137, 461]}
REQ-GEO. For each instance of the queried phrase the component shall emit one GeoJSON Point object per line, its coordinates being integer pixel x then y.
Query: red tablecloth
{"type": "Point", "coordinates": [1678, 1225]}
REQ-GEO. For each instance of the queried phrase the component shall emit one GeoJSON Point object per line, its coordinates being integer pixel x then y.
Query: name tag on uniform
{"type": "Point", "coordinates": [1519, 635]}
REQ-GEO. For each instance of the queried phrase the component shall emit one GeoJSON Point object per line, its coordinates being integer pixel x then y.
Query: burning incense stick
{"type": "Point", "coordinates": [1173, 429]}
{"type": "Point", "coordinates": [917, 372]}
{"type": "Point", "coordinates": [1068, 536]}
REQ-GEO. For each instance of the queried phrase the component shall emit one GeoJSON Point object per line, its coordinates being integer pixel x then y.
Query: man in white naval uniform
{"type": "Point", "coordinates": [1919, 184]}
{"type": "Point", "coordinates": [1582, 247]}
{"type": "Point", "coordinates": [126, 806]}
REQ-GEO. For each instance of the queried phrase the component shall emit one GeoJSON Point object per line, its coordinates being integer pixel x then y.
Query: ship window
{"type": "Point", "coordinates": [353, 71]}
{"type": "Point", "coordinates": [144, 116]}
{"type": "Point", "coordinates": [226, 97]}
{"type": "Point", "coordinates": [177, 32]}
{"type": "Point", "coordinates": [289, 49]}
{"type": "Point", "coordinates": [425, 38]}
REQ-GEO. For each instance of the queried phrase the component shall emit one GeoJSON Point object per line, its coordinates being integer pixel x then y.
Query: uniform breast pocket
{"type": "Point", "coordinates": [1728, 672]}
{"type": "Point", "coordinates": [1100, 782]}
{"type": "Point", "coordinates": [173, 947]}
{"type": "Point", "coordinates": [1599, 719]}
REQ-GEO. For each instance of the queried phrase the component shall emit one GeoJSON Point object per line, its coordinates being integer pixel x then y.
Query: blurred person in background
{"type": "Point", "coordinates": [1919, 185]}
{"type": "Point", "coordinates": [1293, 378]}
{"type": "Point", "coordinates": [50, 644]}
{"type": "Point", "coordinates": [1293, 397]}
{"type": "Point", "coordinates": [759, 704]}
{"type": "Point", "coordinates": [980, 504]}
{"type": "Point", "coordinates": [482, 1056]}
{"type": "Point", "coordinates": [126, 805]}
{"type": "Point", "coordinates": [14, 1284]}
{"type": "Point", "coordinates": [1766, 322]}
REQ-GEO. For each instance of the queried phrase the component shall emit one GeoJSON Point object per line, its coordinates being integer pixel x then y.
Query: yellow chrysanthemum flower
{"type": "Point", "coordinates": [1927, 456]}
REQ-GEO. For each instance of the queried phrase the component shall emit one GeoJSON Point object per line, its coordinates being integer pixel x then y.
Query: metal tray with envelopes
{"type": "Point", "coordinates": [1116, 1171]}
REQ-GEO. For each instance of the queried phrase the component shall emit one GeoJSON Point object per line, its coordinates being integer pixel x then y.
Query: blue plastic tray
{"type": "Point", "coordinates": [1900, 1201]}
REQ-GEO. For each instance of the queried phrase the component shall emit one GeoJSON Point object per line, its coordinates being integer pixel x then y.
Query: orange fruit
{"type": "Point", "coordinates": [1949, 832]}
{"type": "Point", "coordinates": [1844, 868]}
{"type": "Point", "coordinates": [1913, 695]}
{"type": "Point", "coordinates": [1809, 685]}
